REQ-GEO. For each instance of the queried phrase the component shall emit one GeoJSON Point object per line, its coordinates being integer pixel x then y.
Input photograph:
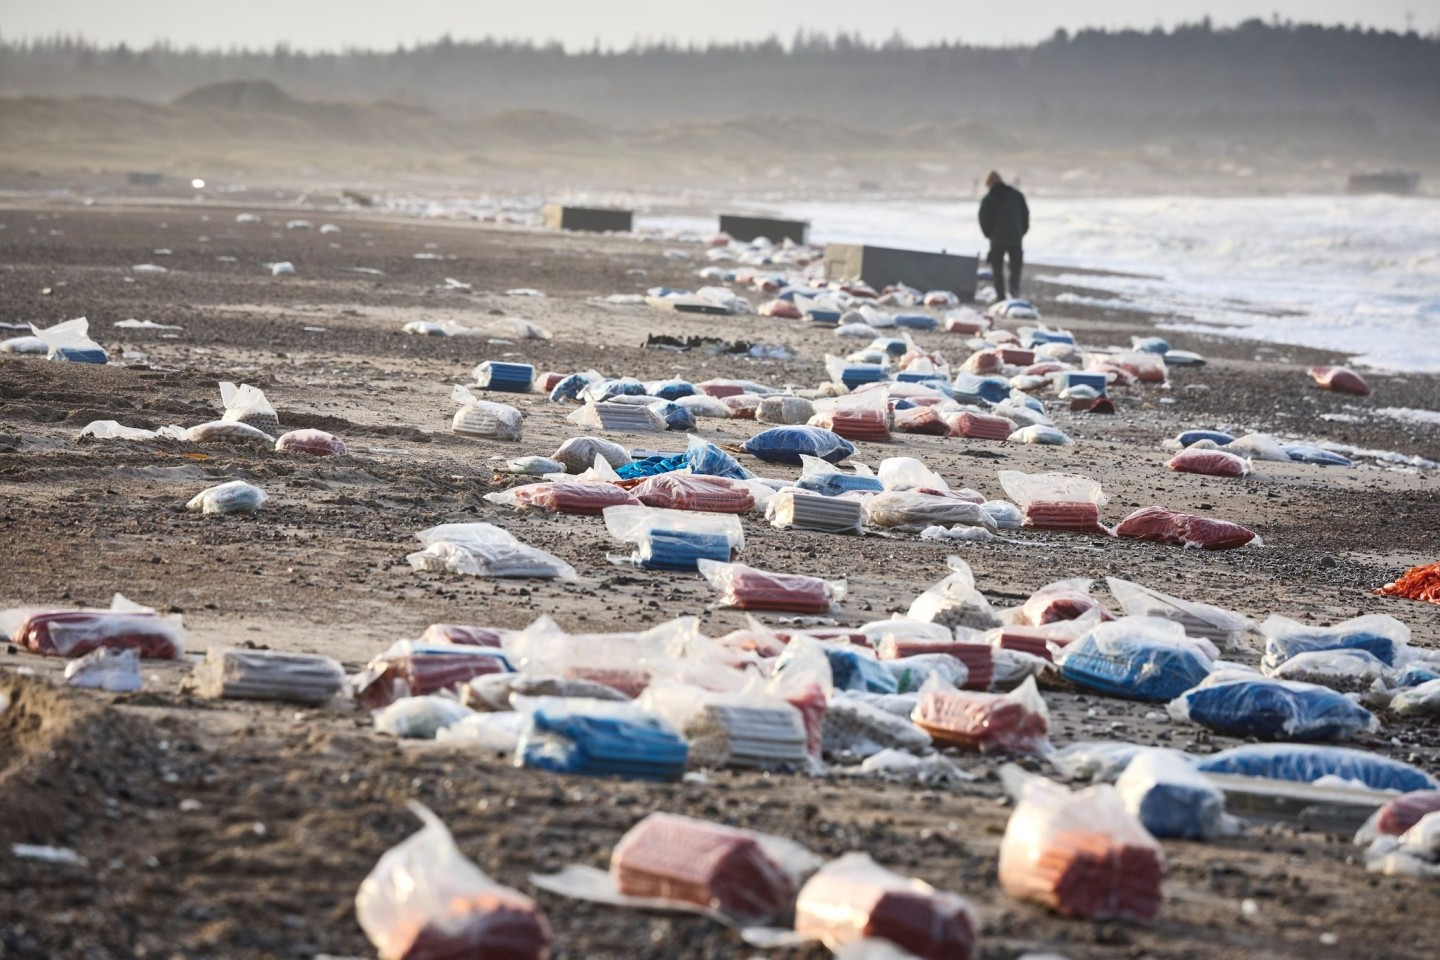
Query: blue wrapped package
{"type": "Point", "coordinates": [969, 388]}
{"type": "Point", "coordinates": [1077, 378]}
{"type": "Point", "coordinates": [1150, 345]}
{"type": "Point", "coordinates": [1306, 764]}
{"type": "Point", "coordinates": [890, 346]}
{"type": "Point", "coordinates": [854, 670]}
{"type": "Point", "coordinates": [1164, 792]}
{"type": "Point", "coordinates": [673, 389]}
{"type": "Point", "coordinates": [788, 444]}
{"type": "Point", "coordinates": [1273, 710]}
{"type": "Point", "coordinates": [675, 539]}
{"type": "Point", "coordinates": [602, 390]}
{"type": "Point", "coordinates": [80, 354]}
{"type": "Point", "coordinates": [509, 377]}
{"type": "Point", "coordinates": [1138, 658]}
{"type": "Point", "coordinates": [650, 466]}
{"type": "Point", "coordinates": [916, 321]}
{"type": "Point", "coordinates": [1377, 634]}
{"type": "Point", "coordinates": [569, 387]}
{"type": "Point", "coordinates": [600, 739]}
{"type": "Point", "coordinates": [1190, 437]}
{"type": "Point", "coordinates": [704, 458]}
{"type": "Point", "coordinates": [1035, 338]}
{"type": "Point", "coordinates": [1320, 457]}
{"type": "Point", "coordinates": [676, 417]}
{"type": "Point", "coordinates": [834, 484]}
{"type": "Point", "coordinates": [679, 549]}
{"type": "Point", "coordinates": [858, 374]}
{"type": "Point", "coordinates": [1414, 675]}
{"type": "Point", "coordinates": [827, 318]}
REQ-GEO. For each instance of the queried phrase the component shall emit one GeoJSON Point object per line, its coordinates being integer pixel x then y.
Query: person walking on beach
{"type": "Point", "coordinates": [1004, 219]}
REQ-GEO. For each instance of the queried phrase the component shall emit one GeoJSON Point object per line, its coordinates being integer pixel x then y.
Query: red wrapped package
{"type": "Point", "coordinates": [461, 634]}
{"type": "Point", "coordinates": [1092, 405]}
{"type": "Point", "coordinates": [1016, 357]}
{"type": "Point", "coordinates": [981, 426]}
{"type": "Point", "coordinates": [746, 588]}
{"type": "Point", "coordinates": [1028, 640]}
{"type": "Point", "coordinates": [565, 496]}
{"type": "Point", "coordinates": [497, 929]}
{"type": "Point", "coordinates": [683, 491]}
{"type": "Point", "coordinates": [1044, 368]}
{"type": "Point", "coordinates": [1062, 600]}
{"type": "Point", "coordinates": [971, 325]}
{"type": "Point", "coordinates": [978, 658]}
{"type": "Point", "coordinates": [1405, 811]}
{"type": "Point", "coordinates": [1015, 722]}
{"type": "Point", "coordinates": [921, 420]}
{"type": "Point", "coordinates": [853, 898]}
{"type": "Point", "coordinates": [317, 443]}
{"type": "Point", "coordinates": [834, 634]}
{"type": "Point", "coordinates": [714, 866]}
{"type": "Point", "coordinates": [1166, 526]}
{"type": "Point", "coordinates": [1212, 463]}
{"type": "Point", "coordinates": [720, 389]}
{"type": "Point", "coordinates": [779, 308]}
{"type": "Point", "coordinates": [548, 381]}
{"type": "Point", "coordinates": [1081, 517]}
{"type": "Point", "coordinates": [631, 683]}
{"type": "Point", "coordinates": [1341, 380]}
{"type": "Point", "coordinates": [742, 406]}
{"type": "Point", "coordinates": [406, 672]}
{"type": "Point", "coordinates": [812, 703]}
{"type": "Point", "coordinates": [761, 642]}
{"type": "Point", "coordinates": [855, 423]}
{"type": "Point", "coordinates": [983, 363]}
{"type": "Point", "coordinates": [74, 633]}
{"type": "Point", "coordinates": [1144, 367]}
{"type": "Point", "coordinates": [858, 289]}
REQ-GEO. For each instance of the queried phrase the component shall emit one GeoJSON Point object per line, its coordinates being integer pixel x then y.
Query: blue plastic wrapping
{"type": "Point", "coordinates": [916, 321]}
{"type": "Point", "coordinates": [858, 374]}
{"type": "Point", "coordinates": [80, 354]}
{"type": "Point", "coordinates": [509, 377]}
{"type": "Point", "coordinates": [602, 390]}
{"type": "Point", "coordinates": [854, 670]}
{"type": "Point", "coordinates": [569, 388]}
{"type": "Point", "coordinates": [1150, 345]}
{"type": "Point", "coordinates": [1308, 763]}
{"type": "Point", "coordinates": [703, 457]}
{"type": "Point", "coordinates": [600, 740]}
{"type": "Point", "coordinates": [834, 484]}
{"type": "Point", "coordinates": [891, 346]}
{"type": "Point", "coordinates": [1165, 793]}
{"type": "Point", "coordinates": [787, 444]}
{"type": "Point", "coordinates": [679, 549]}
{"type": "Point", "coordinates": [969, 388]}
{"type": "Point", "coordinates": [1273, 710]}
{"type": "Point", "coordinates": [1214, 436]}
{"type": "Point", "coordinates": [650, 466]}
{"type": "Point", "coordinates": [674, 390]}
{"type": "Point", "coordinates": [827, 317]}
{"type": "Point", "coordinates": [1138, 658]}
{"type": "Point", "coordinates": [1034, 338]}
{"type": "Point", "coordinates": [676, 416]}
{"type": "Point", "coordinates": [1415, 674]}
{"type": "Point", "coordinates": [1305, 453]}
{"type": "Point", "coordinates": [1078, 378]}
{"type": "Point", "coordinates": [1377, 634]}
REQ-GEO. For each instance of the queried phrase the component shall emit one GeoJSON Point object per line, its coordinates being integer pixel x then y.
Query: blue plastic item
{"type": "Point", "coordinates": [970, 388]}
{"type": "Point", "coordinates": [856, 374]}
{"type": "Point", "coordinates": [674, 390]}
{"type": "Point", "coordinates": [623, 387]}
{"type": "Point", "coordinates": [679, 549]}
{"type": "Point", "coordinates": [509, 377]}
{"type": "Point", "coordinates": [676, 416]}
{"type": "Point", "coordinates": [893, 346]}
{"type": "Point", "coordinates": [1306, 764]}
{"type": "Point", "coordinates": [929, 379]}
{"type": "Point", "coordinates": [650, 466]}
{"type": "Point", "coordinates": [1190, 437]}
{"type": "Point", "coordinates": [1153, 345]}
{"type": "Point", "coordinates": [1036, 337]}
{"type": "Point", "coordinates": [1305, 453]}
{"type": "Point", "coordinates": [703, 457]}
{"type": "Point", "coordinates": [834, 484]}
{"type": "Point", "coordinates": [828, 318]}
{"type": "Point", "coordinates": [1133, 667]}
{"type": "Point", "coordinates": [853, 670]}
{"type": "Point", "coordinates": [563, 738]}
{"type": "Point", "coordinates": [1079, 378]}
{"type": "Point", "coordinates": [786, 444]}
{"type": "Point", "coordinates": [1285, 638]}
{"type": "Point", "coordinates": [80, 354]}
{"type": "Point", "coordinates": [916, 321]}
{"type": "Point", "coordinates": [569, 388]}
{"type": "Point", "coordinates": [1274, 710]}
{"type": "Point", "coordinates": [1414, 675]}
{"type": "Point", "coordinates": [1017, 398]}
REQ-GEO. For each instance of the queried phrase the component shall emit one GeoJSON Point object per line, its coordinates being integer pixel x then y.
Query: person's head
{"type": "Point", "coordinates": [992, 179]}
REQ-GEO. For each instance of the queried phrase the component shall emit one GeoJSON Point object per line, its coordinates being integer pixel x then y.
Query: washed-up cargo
{"type": "Point", "coordinates": [1015, 722]}
{"type": "Point", "coordinates": [1056, 501]}
{"type": "Point", "coordinates": [1224, 627]}
{"type": "Point", "coordinates": [268, 675]}
{"type": "Point", "coordinates": [955, 601]}
{"type": "Point", "coordinates": [1211, 463]}
{"type": "Point", "coordinates": [1378, 634]}
{"type": "Point", "coordinates": [856, 421]}
{"type": "Point", "coordinates": [789, 411]}
{"type": "Point", "coordinates": [858, 727]}
{"type": "Point", "coordinates": [509, 377]}
{"type": "Point", "coordinates": [1162, 790]}
{"type": "Point", "coordinates": [801, 510]}
{"type": "Point", "coordinates": [584, 498]}
{"type": "Point", "coordinates": [980, 426]}
{"type": "Point", "coordinates": [74, 633]}
{"type": "Point", "coordinates": [822, 478]}
{"type": "Point", "coordinates": [416, 669]}
{"type": "Point", "coordinates": [1138, 658]}
{"type": "Point", "coordinates": [1059, 601]}
{"type": "Point", "coordinates": [922, 420]}
{"type": "Point", "coordinates": [1160, 525]}
{"type": "Point", "coordinates": [675, 539]}
{"type": "Point", "coordinates": [484, 550]}
{"type": "Point", "coordinates": [317, 443]}
{"type": "Point", "coordinates": [745, 730]}
{"type": "Point", "coordinates": [684, 491]}
{"type": "Point", "coordinates": [1308, 763]}
{"type": "Point", "coordinates": [914, 510]}
{"type": "Point", "coordinates": [1417, 583]}
{"type": "Point", "coordinates": [458, 633]}
{"type": "Point", "coordinates": [788, 444]}
{"type": "Point", "coordinates": [599, 738]}
{"type": "Point", "coordinates": [1341, 380]}
{"type": "Point", "coordinates": [747, 588]}
{"type": "Point", "coordinates": [1272, 710]}
{"type": "Point", "coordinates": [1400, 815]}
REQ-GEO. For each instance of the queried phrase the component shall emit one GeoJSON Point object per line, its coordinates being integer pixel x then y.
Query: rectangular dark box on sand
{"type": "Point", "coordinates": [882, 266]}
{"type": "Point", "coordinates": [593, 219]}
{"type": "Point", "coordinates": [745, 229]}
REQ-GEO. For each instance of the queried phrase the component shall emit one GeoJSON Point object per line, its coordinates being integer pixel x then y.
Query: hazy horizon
{"type": "Point", "coordinates": [577, 24]}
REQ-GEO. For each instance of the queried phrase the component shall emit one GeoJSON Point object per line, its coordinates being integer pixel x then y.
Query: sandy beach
{"type": "Point", "coordinates": [228, 829]}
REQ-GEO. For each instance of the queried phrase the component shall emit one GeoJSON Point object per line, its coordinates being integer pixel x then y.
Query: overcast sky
{"type": "Point", "coordinates": [330, 24]}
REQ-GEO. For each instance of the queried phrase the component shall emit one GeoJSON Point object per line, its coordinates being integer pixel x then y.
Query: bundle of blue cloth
{"type": "Point", "coordinates": [1308, 763]}
{"type": "Point", "coordinates": [1275, 710]}
{"type": "Point", "coordinates": [563, 738]}
{"type": "Point", "coordinates": [1135, 668]}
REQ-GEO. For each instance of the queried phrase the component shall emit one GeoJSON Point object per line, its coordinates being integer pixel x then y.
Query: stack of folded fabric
{"type": "Point", "coordinates": [600, 739]}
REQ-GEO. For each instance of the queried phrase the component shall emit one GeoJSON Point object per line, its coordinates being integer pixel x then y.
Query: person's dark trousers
{"type": "Point", "coordinates": [997, 268]}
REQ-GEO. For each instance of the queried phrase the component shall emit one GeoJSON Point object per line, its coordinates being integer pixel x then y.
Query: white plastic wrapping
{"type": "Point", "coordinates": [247, 404]}
{"type": "Point", "coordinates": [913, 511]}
{"type": "Point", "coordinates": [484, 550]}
{"type": "Point", "coordinates": [485, 419]}
{"type": "Point", "coordinates": [70, 340]}
{"type": "Point", "coordinates": [1224, 627]}
{"type": "Point", "coordinates": [954, 601]}
{"type": "Point", "coordinates": [420, 718]}
{"type": "Point", "coordinates": [237, 496]}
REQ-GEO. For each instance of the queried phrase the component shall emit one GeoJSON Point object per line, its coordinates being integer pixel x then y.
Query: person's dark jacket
{"type": "Point", "coordinates": [1004, 216]}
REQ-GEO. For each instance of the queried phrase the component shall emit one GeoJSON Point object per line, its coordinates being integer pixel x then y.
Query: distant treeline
{"type": "Point", "coordinates": [1384, 81]}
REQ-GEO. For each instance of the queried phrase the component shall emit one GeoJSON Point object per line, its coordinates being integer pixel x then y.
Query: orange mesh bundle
{"type": "Point", "coordinates": [1417, 583]}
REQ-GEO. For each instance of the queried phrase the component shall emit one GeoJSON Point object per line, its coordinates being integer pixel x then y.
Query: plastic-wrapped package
{"type": "Point", "coordinates": [1160, 525]}
{"type": "Point", "coordinates": [599, 738]}
{"type": "Point", "coordinates": [1378, 634]}
{"type": "Point", "coordinates": [1164, 792]}
{"type": "Point", "coordinates": [684, 491]}
{"type": "Point", "coordinates": [484, 419]}
{"type": "Point", "coordinates": [1399, 815]}
{"type": "Point", "coordinates": [1224, 627]}
{"type": "Point", "coordinates": [1062, 600]}
{"type": "Point", "coordinates": [702, 405]}
{"type": "Point", "coordinates": [854, 668]}
{"type": "Point", "coordinates": [1143, 366]}
{"type": "Point", "coordinates": [579, 497]}
{"type": "Point", "coordinates": [980, 426]}
{"type": "Point", "coordinates": [914, 510]}
{"type": "Point", "coordinates": [1307, 763]}
{"type": "Point", "coordinates": [954, 601]}
{"type": "Point", "coordinates": [1081, 854]}
{"type": "Point", "coordinates": [742, 406]}
{"type": "Point", "coordinates": [912, 672]}
{"type": "Point", "coordinates": [418, 718]}
{"type": "Point", "coordinates": [246, 404]}
{"type": "Point", "coordinates": [1422, 700]}
{"type": "Point", "coordinates": [1037, 433]}
{"type": "Point", "coordinates": [268, 675]}
{"type": "Point", "coordinates": [1190, 437]}
{"type": "Point", "coordinates": [801, 510]}
{"type": "Point", "coordinates": [619, 417]}
{"type": "Point", "coordinates": [675, 539]}
{"type": "Point", "coordinates": [533, 466]}
{"type": "Point", "coordinates": [71, 341]}
{"type": "Point", "coordinates": [1006, 515]}
{"type": "Point", "coordinates": [115, 671]}
{"type": "Point", "coordinates": [747, 588]}
{"type": "Point", "coordinates": [578, 453]}
{"type": "Point", "coordinates": [1015, 722]}
{"type": "Point", "coordinates": [803, 677]}
{"type": "Point", "coordinates": [922, 420]}
{"type": "Point", "coordinates": [854, 898]}
{"type": "Point", "coordinates": [1351, 671]}
{"type": "Point", "coordinates": [746, 728]}
{"type": "Point", "coordinates": [1098, 760]}
{"type": "Point", "coordinates": [1341, 380]}
{"type": "Point", "coordinates": [1056, 501]}
{"type": "Point", "coordinates": [907, 473]}
{"type": "Point", "coordinates": [74, 633]}
{"type": "Point", "coordinates": [1138, 658]}
{"type": "Point", "coordinates": [1415, 853]}
{"type": "Point", "coordinates": [787, 444]}
{"type": "Point", "coordinates": [856, 727]}
{"type": "Point", "coordinates": [1211, 463]}
{"type": "Point", "coordinates": [820, 477]}
{"type": "Point", "coordinates": [1319, 456]}
{"type": "Point", "coordinates": [779, 308]}
{"type": "Point", "coordinates": [415, 669]}
{"type": "Point", "coordinates": [1258, 446]}
{"type": "Point", "coordinates": [983, 363]}
{"type": "Point", "coordinates": [509, 377]}
{"type": "Point", "coordinates": [744, 875]}
{"type": "Point", "coordinates": [864, 419]}
{"type": "Point", "coordinates": [457, 633]}
{"type": "Point", "coordinates": [237, 496]}
{"type": "Point", "coordinates": [219, 431]}
{"type": "Point", "coordinates": [496, 691]}
{"type": "Point", "coordinates": [497, 733]}
{"type": "Point", "coordinates": [317, 443]}
{"type": "Point", "coordinates": [1272, 710]}
{"type": "Point", "coordinates": [484, 550]}
{"type": "Point", "coordinates": [785, 410]}
{"type": "Point", "coordinates": [570, 387]}
{"type": "Point", "coordinates": [425, 901]}
{"type": "Point", "coordinates": [608, 388]}
{"type": "Point", "coordinates": [1416, 674]}
{"type": "Point", "coordinates": [23, 345]}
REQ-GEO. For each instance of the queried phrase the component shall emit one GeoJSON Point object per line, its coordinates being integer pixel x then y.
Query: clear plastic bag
{"type": "Point", "coordinates": [748, 588]}
{"type": "Point", "coordinates": [1422, 700]}
{"type": "Point", "coordinates": [219, 431]}
{"type": "Point", "coordinates": [317, 443]}
{"type": "Point", "coordinates": [1039, 434]}
{"type": "Point", "coordinates": [787, 411]}
{"type": "Point", "coordinates": [424, 900]}
{"type": "Point", "coordinates": [586, 498]}
{"type": "Point", "coordinates": [675, 539]}
{"type": "Point", "coordinates": [1081, 854]}
{"type": "Point", "coordinates": [682, 490]}
{"type": "Point", "coordinates": [1098, 760]}
{"type": "Point", "coordinates": [1057, 602]}
{"type": "Point", "coordinates": [509, 377]}
{"type": "Point", "coordinates": [1224, 627]}
{"type": "Point", "coordinates": [954, 601]}
{"type": "Point", "coordinates": [864, 417]}
{"type": "Point", "coordinates": [1399, 815]}
{"type": "Point", "coordinates": [578, 453]}
{"type": "Point", "coordinates": [914, 510]}
{"type": "Point", "coordinates": [1160, 525]}
{"type": "Point", "coordinates": [599, 738]}
{"type": "Point", "coordinates": [237, 496]}
{"type": "Point", "coordinates": [1379, 634]}
{"type": "Point", "coordinates": [859, 728]}
{"type": "Point", "coordinates": [1211, 463]}
{"type": "Point", "coordinates": [484, 419]}
{"type": "Point", "coordinates": [1056, 501]}
{"type": "Point", "coordinates": [787, 444]}
{"type": "Point", "coordinates": [1306, 763]}
{"type": "Point", "coordinates": [1015, 722]}
{"type": "Point", "coordinates": [1164, 792]}
{"type": "Point", "coordinates": [420, 718]}
{"type": "Point", "coordinates": [71, 341]}
{"type": "Point", "coordinates": [619, 417]}
{"type": "Point", "coordinates": [1341, 380]}
{"type": "Point", "coordinates": [912, 672]}
{"type": "Point", "coordinates": [1138, 658]}
{"type": "Point", "coordinates": [268, 675]}
{"type": "Point", "coordinates": [1258, 446]}
{"type": "Point", "coordinates": [484, 550]}
{"type": "Point", "coordinates": [820, 477]}
{"type": "Point", "coordinates": [417, 668]}
{"type": "Point", "coordinates": [746, 728]}
{"type": "Point", "coordinates": [491, 732]}
{"type": "Point", "coordinates": [246, 404]}
{"type": "Point", "coordinates": [115, 671]}
{"type": "Point", "coordinates": [1351, 671]}
{"type": "Point", "coordinates": [1273, 710]}
{"type": "Point", "coordinates": [854, 898]}
{"type": "Point", "coordinates": [74, 633]}
{"type": "Point", "coordinates": [804, 678]}
{"type": "Point", "coordinates": [802, 510]}
{"type": "Point", "coordinates": [701, 405]}
{"type": "Point", "coordinates": [1415, 853]}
